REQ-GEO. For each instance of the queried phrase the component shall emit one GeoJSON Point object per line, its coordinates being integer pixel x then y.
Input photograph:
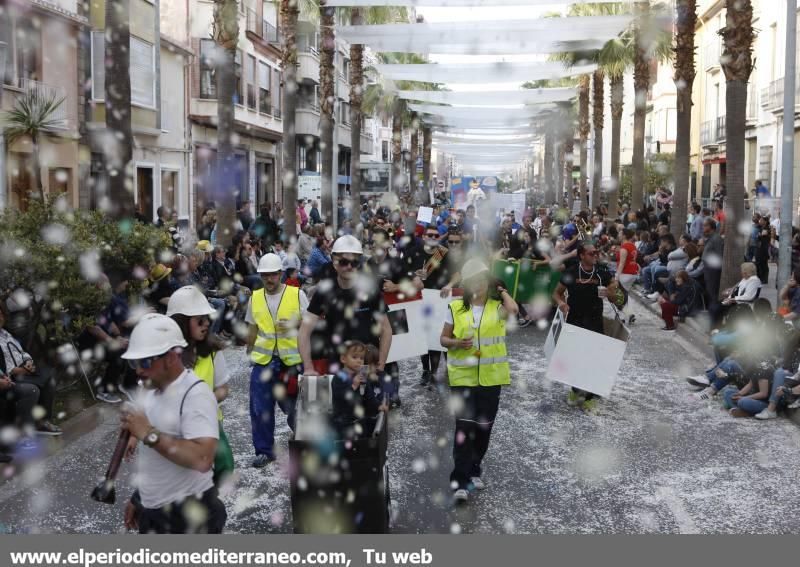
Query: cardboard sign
{"type": "Point", "coordinates": [407, 320]}
{"type": "Point", "coordinates": [585, 359]}
{"type": "Point", "coordinates": [425, 215]}
{"type": "Point", "coordinates": [434, 314]}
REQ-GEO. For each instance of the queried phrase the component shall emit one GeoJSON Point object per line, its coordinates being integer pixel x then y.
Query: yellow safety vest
{"type": "Point", "coordinates": [204, 369]}
{"type": "Point", "coordinates": [486, 363]}
{"type": "Point", "coordinates": [269, 338]}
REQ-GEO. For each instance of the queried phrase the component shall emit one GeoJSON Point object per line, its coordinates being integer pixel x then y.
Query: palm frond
{"type": "Point", "coordinates": [33, 113]}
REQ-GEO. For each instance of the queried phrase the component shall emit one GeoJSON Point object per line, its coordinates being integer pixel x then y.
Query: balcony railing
{"type": "Point", "coordinates": [712, 131]}
{"type": "Point", "coordinates": [59, 116]}
{"type": "Point", "coordinates": [772, 96]}
{"type": "Point", "coordinates": [262, 29]}
{"type": "Point", "coordinates": [720, 129]}
{"type": "Point", "coordinates": [308, 105]}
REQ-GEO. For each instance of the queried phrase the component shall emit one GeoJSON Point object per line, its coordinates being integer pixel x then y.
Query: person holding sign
{"type": "Point", "coordinates": [477, 366]}
{"type": "Point", "coordinates": [579, 295]}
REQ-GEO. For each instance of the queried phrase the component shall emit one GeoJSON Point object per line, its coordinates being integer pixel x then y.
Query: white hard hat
{"type": "Point", "coordinates": [270, 263]}
{"type": "Point", "coordinates": [189, 301]}
{"type": "Point", "coordinates": [473, 268]}
{"type": "Point", "coordinates": [154, 335]}
{"type": "Point", "coordinates": [347, 244]}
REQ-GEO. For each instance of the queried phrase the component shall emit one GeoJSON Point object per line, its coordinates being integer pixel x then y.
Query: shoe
{"type": "Point", "coordinates": [261, 461]}
{"type": "Point", "coordinates": [27, 447]}
{"type": "Point", "coordinates": [794, 405]}
{"type": "Point", "coordinates": [590, 406]}
{"type": "Point", "coordinates": [653, 296]}
{"type": "Point", "coordinates": [522, 322]}
{"type": "Point", "coordinates": [701, 380]}
{"type": "Point", "coordinates": [395, 402]}
{"type": "Point", "coordinates": [426, 378]}
{"type": "Point", "coordinates": [461, 496]}
{"type": "Point", "coordinates": [4, 458]}
{"type": "Point", "coordinates": [47, 428]}
{"type": "Point", "coordinates": [477, 483]}
{"type": "Point", "coordinates": [736, 412]}
{"type": "Point", "coordinates": [109, 398]}
{"type": "Point", "coordinates": [574, 399]}
{"type": "Point", "coordinates": [766, 414]}
{"type": "Point", "coordinates": [631, 320]}
{"type": "Point", "coordinates": [668, 329]}
{"type": "Point", "coordinates": [705, 394]}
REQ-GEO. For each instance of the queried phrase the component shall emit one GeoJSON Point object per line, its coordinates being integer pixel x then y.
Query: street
{"type": "Point", "coordinates": [651, 460]}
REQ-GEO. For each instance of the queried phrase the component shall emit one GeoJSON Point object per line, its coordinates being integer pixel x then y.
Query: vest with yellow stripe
{"type": "Point", "coordinates": [204, 369]}
{"type": "Point", "coordinates": [486, 363]}
{"type": "Point", "coordinates": [269, 337]}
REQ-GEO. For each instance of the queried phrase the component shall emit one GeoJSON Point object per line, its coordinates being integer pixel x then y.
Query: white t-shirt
{"type": "Point", "coordinates": [159, 480]}
{"type": "Point", "coordinates": [221, 374]}
{"type": "Point", "coordinates": [477, 313]}
{"type": "Point", "coordinates": [273, 302]}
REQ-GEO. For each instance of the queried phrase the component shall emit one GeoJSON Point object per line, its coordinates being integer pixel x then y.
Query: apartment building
{"type": "Point", "coordinates": [39, 52]}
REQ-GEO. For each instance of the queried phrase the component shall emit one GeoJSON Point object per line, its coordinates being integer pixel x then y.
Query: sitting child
{"type": "Point", "coordinates": [356, 401]}
{"type": "Point", "coordinates": [680, 300]}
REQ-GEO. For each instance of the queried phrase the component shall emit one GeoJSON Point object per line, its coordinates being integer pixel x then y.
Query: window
{"type": "Point", "coordinates": [277, 91]}
{"type": "Point", "coordinates": [208, 79]}
{"type": "Point", "coordinates": [144, 191]}
{"type": "Point", "coordinates": [250, 80]}
{"type": "Point", "coordinates": [142, 73]}
{"type": "Point", "coordinates": [169, 190]}
{"type": "Point", "coordinates": [264, 102]}
{"type": "Point", "coordinates": [28, 42]}
{"type": "Point", "coordinates": [142, 70]}
{"type": "Point", "coordinates": [385, 151]}
{"type": "Point", "coordinates": [237, 71]}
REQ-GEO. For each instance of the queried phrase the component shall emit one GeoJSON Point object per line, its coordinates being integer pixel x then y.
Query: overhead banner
{"type": "Point", "coordinates": [460, 187]}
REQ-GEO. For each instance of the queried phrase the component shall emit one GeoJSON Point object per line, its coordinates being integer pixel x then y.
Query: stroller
{"type": "Point", "coordinates": [337, 486]}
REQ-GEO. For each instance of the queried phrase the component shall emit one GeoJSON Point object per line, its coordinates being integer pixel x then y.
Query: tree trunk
{"type": "Point", "coordinates": [356, 118]}
{"type": "Point", "coordinates": [289, 13]}
{"type": "Point", "coordinates": [427, 143]}
{"type": "Point", "coordinates": [684, 78]}
{"type": "Point", "coordinates": [326, 103]}
{"type": "Point", "coordinates": [119, 152]}
{"type": "Point", "coordinates": [549, 184]}
{"type": "Point", "coordinates": [412, 166]}
{"type": "Point", "coordinates": [569, 161]}
{"type": "Point", "coordinates": [584, 128]}
{"type": "Point", "coordinates": [226, 33]}
{"type": "Point", "coordinates": [737, 64]}
{"type": "Point", "coordinates": [37, 168]}
{"type": "Point", "coordinates": [641, 84]}
{"type": "Point", "coordinates": [598, 100]}
{"type": "Point", "coordinates": [617, 102]}
{"type": "Point", "coordinates": [560, 172]}
{"type": "Point", "coordinates": [397, 151]}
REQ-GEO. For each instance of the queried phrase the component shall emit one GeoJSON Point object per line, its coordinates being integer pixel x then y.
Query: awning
{"type": "Point", "coordinates": [487, 113]}
{"type": "Point", "coordinates": [492, 98]}
{"type": "Point", "coordinates": [466, 3]}
{"type": "Point", "coordinates": [481, 73]}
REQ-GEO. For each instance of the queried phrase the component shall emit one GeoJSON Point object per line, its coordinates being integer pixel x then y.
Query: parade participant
{"type": "Point", "coordinates": [190, 309]}
{"type": "Point", "coordinates": [176, 420]}
{"type": "Point", "coordinates": [477, 366]}
{"type": "Point", "coordinates": [347, 307]}
{"type": "Point", "coordinates": [274, 315]}
{"type": "Point", "coordinates": [355, 400]}
{"type": "Point", "coordinates": [579, 295]}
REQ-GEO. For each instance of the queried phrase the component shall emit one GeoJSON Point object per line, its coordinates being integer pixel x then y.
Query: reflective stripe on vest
{"type": "Point", "coordinates": [486, 363]}
{"type": "Point", "coordinates": [269, 339]}
{"type": "Point", "coordinates": [204, 369]}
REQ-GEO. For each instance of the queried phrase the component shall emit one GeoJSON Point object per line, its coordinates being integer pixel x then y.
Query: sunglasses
{"type": "Point", "coordinates": [204, 320]}
{"type": "Point", "coordinates": [454, 242]}
{"type": "Point", "coordinates": [345, 262]}
{"type": "Point", "coordinates": [432, 236]}
{"type": "Point", "coordinates": [144, 363]}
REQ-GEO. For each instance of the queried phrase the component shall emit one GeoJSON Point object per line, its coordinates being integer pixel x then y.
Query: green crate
{"type": "Point", "coordinates": [524, 282]}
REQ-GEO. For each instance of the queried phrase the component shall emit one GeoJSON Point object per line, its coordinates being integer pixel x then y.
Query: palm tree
{"type": "Point", "coordinates": [427, 141]}
{"type": "Point", "coordinates": [584, 127]}
{"type": "Point", "coordinates": [737, 64]}
{"type": "Point", "coordinates": [119, 158]}
{"type": "Point", "coordinates": [225, 32]}
{"type": "Point", "coordinates": [598, 108]}
{"type": "Point", "coordinates": [549, 183]}
{"type": "Point", "coordinates": [641, 85]}
{"type": "Point", "coordinates": [413, 153]}
{"type": "Point", "coordinates": [327, 99]}
{"type": "Point", "coordinates": [31, 117]}
{"type": "Point", "coordinates": [684, 77]}
{"type": "Point", "coordinates": [289, 13]}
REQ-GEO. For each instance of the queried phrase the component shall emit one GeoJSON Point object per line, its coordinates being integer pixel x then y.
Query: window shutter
{"type": "Point", "coordinates": [142, 73]}
{"type": "Point", "coordinates": [98, 65]}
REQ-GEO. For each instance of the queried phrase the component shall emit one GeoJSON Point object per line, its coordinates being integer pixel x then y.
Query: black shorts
{"type": "Point", "coordinates": [172, 518]}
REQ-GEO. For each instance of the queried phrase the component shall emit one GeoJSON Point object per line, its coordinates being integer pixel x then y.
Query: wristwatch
{"type": "Point", "coordinates": [152, 438]}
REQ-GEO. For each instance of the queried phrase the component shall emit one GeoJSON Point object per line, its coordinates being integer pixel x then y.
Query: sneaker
{"type": "Point", "coordinates": [461, 496]}
{"type": "Point", "coordinates": [426, 378]}
{"type": "Point", "coordinates": [395, 402]}
{"type": "Point", "coordinates": [574, 399]}
{"type": "Point", "coordinates": [737, 412]}
{"type": "Point", "coordinates": [109, 398]}
{"type": "Point", "coordinates": [522, 322]}
{"type": "Point", "coordinates": [261, 461]}
{"type": "Point", "coordinates": [701, 381]}
{"type": "Point", "coordinates": [590, 406]}
{"type": "Point", "coordinates": [477, 483]}
{"type": "Point", "coordinates": [653, 296]}
{"type": "Point", "coordinates": [705, 394]}
{"type": "Point", "coordinates": [631, 320]}
{"type": "Point", "coordinates": [47, 428]}
{"type": "Point", "coordinates": [766, 414]}
{"type": "Point", "coordinates": [794, 405]}
{"type": "Point", "coordinates": [668, 329]}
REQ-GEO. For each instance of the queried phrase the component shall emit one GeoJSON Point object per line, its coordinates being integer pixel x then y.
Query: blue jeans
{"type": "Point", "coordinates": [263, 379]}
{"type": "Point", "coordinates": [648, 275]}
{"type": "Point", "coordinates": [727, 365]}
{"type": "Point", "coordinates": [749, 405]}
{"type": "Point", "coordinates": [216, 323]}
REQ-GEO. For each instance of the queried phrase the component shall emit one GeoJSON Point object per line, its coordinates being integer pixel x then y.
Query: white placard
{"type": "Point", "coordinates": [425, 214]}
{"type": "Point", "coordinates": [434, 314]}
{"type": "Point", "coordinates": [410, 344]}
{"type": "Point", "coordinates": [583, 359]}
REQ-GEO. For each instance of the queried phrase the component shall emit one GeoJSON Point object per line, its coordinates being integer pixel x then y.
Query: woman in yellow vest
{"type": "Point", "coordinates": [191, 310]}
{"type": "Point", "coordinates": [477, 366]}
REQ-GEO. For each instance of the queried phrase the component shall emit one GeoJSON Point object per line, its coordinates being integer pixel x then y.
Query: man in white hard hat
{"type": "Point", "coordinates": [274, 315]}
{"type": "Point", "coordinates": [176, 420]}
{"type": "Point", "coordinates": [349, 307]}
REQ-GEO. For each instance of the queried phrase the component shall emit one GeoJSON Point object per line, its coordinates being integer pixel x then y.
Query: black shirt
{"type": "Point", "coordinates": [353, 314]}
{"type": "Point", "coordinates": [585, 307]}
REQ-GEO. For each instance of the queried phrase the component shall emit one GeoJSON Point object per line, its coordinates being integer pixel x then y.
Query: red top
{"type": "Point", "coordinates": [630, 267]}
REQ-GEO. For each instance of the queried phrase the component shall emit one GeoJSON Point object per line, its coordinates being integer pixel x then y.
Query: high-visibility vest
{"type": "Point", "coordinates": [204, 369]}
{"type": "Point", "coordinates": [486, 363]}
{"type": "Point", "coordinates": [269, 338]}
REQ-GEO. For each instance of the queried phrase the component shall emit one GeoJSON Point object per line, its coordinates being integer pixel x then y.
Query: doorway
{"type": "Point", "coordinates": [145, 191]}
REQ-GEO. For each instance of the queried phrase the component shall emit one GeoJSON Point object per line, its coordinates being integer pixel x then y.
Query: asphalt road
{"type": "Point", "coordinates": [651, 460]}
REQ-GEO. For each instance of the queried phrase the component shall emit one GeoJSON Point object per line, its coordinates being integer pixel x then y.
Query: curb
{"type": "Point", "coordinates": [695, 331]}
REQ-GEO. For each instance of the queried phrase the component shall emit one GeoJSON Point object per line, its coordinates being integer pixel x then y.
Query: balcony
{"type": "Point", "coordinates": [261, 29]}
{"type": "Point", "coordinates": [367, 144]}
{"type": "Point", "coordinates": [307, 119]}
{"type": "Point", "coordinates": [308, 65]}
{"type": "Point", "coordinates": [772, 96]}
{"type": "Point", "coordinates": [711, 54]}
{"type": "Point", "coordinates": [59, 118]}
{"type": "Point", "coordinates": [720, 130]}
{"type": "Point", "coordinates": [712, 131]}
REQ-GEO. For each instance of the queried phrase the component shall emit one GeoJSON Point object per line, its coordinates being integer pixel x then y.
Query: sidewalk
{"type": "Point", "coordinates": [697, 329]}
